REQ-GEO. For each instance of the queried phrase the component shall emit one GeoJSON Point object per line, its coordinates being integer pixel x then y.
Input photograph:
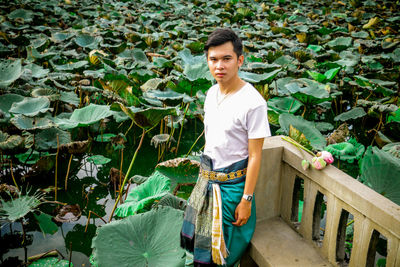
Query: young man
{"type": "Point", "coordinates": [220, 218]}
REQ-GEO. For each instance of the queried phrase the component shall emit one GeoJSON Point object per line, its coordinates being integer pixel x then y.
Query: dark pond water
{"type": "Point", "coordinates": [88, 186]}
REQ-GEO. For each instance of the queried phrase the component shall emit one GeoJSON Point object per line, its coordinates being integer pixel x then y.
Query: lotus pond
{"type": "Point", "coordinates": [101, 112]}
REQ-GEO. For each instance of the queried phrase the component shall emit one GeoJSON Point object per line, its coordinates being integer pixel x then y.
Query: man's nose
{"type": "Point", "coordinates": [220, 64]}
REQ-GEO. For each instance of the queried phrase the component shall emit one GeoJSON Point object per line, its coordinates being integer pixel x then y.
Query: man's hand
{"type": "Point", "coordinates": [242, 212]}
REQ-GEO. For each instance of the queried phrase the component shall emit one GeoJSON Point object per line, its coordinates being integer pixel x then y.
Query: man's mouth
{"type": "Point", "coordinates": [219, 74]}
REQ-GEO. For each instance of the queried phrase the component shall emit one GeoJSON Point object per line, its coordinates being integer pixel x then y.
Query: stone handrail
{"type": "Point", "coordinates": [278, 193]}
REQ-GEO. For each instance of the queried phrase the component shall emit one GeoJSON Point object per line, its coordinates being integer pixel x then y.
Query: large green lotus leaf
{"type": "Point", "coordinates": [348, 151]}
{"type": "Point", "coordinates": [140, 57]}
{"type": "Point", "coordinates": [307, 91]}
{"type": "Point", "coordinates": [279, 85]}
{"type": "Point", "coordinates": [354, 113]}
{"type": "Point", "coordinates": [256, 78]}
{"type": "Point", "coordinates": [17, 208]}
{"type": "Point", "coordinates": [147, 239]}
{"type": "Point", "coordinates": [8, 142]}
{"type": "Point", "coordinates": [50, 261]}
{"type": "Point", "coordinates": [395, 116]}
{"type": "Point", "coordinates": [85, 40]}
{"type": "Point", "coordinates": [71, 66]}
{"type": "Point", "coordinates": [84, 116]}
{"type": "Point", "coordinates": [98, 159]}
{"type": "Point", "coordinates": [172, 201]}
{"type": "Point", "coordinates": [10, 70]}
{"type": "Point", "coordinates": [47, 139]}
{"type": "Point", "coordinates": [51, 94]}
{"type": "Point", "coordinates": [195, 67]}
{"type": "Point", "coordinates": [317, 140]}
{"type": "Point", "coordinates": [151, 84]}
{"type": "Point", "coordinates": [46, 224]}
{"type": "Point", "coordinates": [31, 106]}
{"type": "Point", "coordinates": [147, 118]}
{"type": "Point", "coordinates": [37, 71]}
{"type": "Point", "coordinates": [31, 123]}
{"type": "Point", "coordinates": [7, 100]}
{"type": "Point", "coordinates": [81, 238]}
{"type": "Point", "coordinates": [381, 171]}
{"type": "Point", "coordinates": [70, 98]}
{"type": "Point", "coordinates": [340, 43]}
{"type": "Point", "coordinates": [168, 97]}
{"type": "Point", "coordinates": [61, 36]}
{"type": "Point", "coordinates": [179, 170]}
{"type": "Point", "coordinates": [30, 157]}
{"type": "Point", "coordinates": [284, 104]}
{"type": "Point", "coordinates": [143, 196]}
{"type": "Point", "coordinates": [24, 14]}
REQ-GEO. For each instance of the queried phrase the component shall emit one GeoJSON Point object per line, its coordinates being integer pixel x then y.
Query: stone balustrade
{"type": "Point", "coordinates": [332, 200]}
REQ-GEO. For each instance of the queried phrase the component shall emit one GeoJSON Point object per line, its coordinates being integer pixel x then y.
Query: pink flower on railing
{"type": "Point", "coordinates": [326, 156]}
{"type": "Point", "coordinates": [318, 163]}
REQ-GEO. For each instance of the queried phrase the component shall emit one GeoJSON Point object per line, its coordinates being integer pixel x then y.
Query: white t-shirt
{"type": "Point", "coordinates": [231, 123]}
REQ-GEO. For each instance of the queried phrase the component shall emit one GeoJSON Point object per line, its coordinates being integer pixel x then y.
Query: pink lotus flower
{"type": "Point", "coordinates": [318, 163]}
{"type": "Point", "coordinates": [326, 156]}
{"type": "Point", "coordinates": [305, 164]}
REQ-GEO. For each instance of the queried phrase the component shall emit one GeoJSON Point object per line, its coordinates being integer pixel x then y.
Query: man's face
{"type": "Point", "coordinates": [223, 62]}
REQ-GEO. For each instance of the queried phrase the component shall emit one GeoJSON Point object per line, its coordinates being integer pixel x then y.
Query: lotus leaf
{"type": "Point", "coordinates": [151, 84]}
{"type": "Point", "coordinates": [307, 91]}
{"type": "Point", "coordinates": [284, 104]}
{"type": "Point", "coordinates": [172, 201]}
{"type": "Point", "coordinates": [168, 97]}
{"type": "Point", "coordinates": [7, 100]}
{"type": "Point", "coordinates": [81, 238]}
{"type": "Point", "coordinates": [381, 171]}
{"type": "Point", "coordinates": [85, 40]}
{"type": "Point", "coordinates": [148, 118]}
{"type": "Point", "coordinates": [179, 170]}
{"type": "Point", "coordinates": [70, 98]}
{"type": "Point", "coordinates": [98, 159]}
{"type": "Point", "coordinates": [46, 224]}
{"type": "Point", "coordinates": [354, 113]}
{"type": "Point", "coordinates": [255, 78]}
{"type": "Point", "coordinates": [105, 138]}
{"type": "Point", "coordinates": [8, 142]}
{"type": "Point", "coordinates": [317, 140]}
{"type": "Point", "coordinates": [28, 123]}
{"type": "Point", "coordinates": [140, 57]}
{"type": "Point", "coordinates": [143, 196]}
{"type": "Point", "coordinates": [16, 208]}
{"type": "Point", "coordinates": [24, 14]}
{"type": "Point", "coordinates": [84, 116]}
{"type": "Point", "coordinates": [51, 94]}
{"type": "Point", "coordinates": [315, 48]}
{"type": "Point", "coordinates": [68, 213]}
{"type": "Point", "coordinates": [340, 43]}
{"type": "Point", "coordinates": [148, 239]}
{"type": "Point", "coordinates": [71, 66]}
{"type": "Point", "coordinates": [10, 70]}
{"type": "Point", "coordinates": [395, 116]}
{"type": "Point", "coordinates": [348, 151]}
{"type": "Point", "coordinates": [30, 157]}
{"type": "Point", "coordinates": [392, 148]}
{"type": "Point", "coordinates": [273, 117]}
{"type": "Point", "coordinates": [51, 261]}
{"type": "Point", "coordinates": [37, 71]}
{"type": "Point", "coordinates": [47, 139]}
{"type": "Point", "coordinates": [31, 106]}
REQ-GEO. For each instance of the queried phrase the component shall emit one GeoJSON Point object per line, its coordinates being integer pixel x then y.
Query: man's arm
{"type": "Point", "coordinates": [243, 210]}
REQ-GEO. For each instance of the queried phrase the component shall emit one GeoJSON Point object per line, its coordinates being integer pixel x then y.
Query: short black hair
{"type": "Point", "coordinates": [222, 36]}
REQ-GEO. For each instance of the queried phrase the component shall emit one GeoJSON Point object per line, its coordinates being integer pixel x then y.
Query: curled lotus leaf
{"type": "Point", "coordinates": [340, 43]}
{"type": "Point", "coordinates": [256, 78]}
{"type": "Point", "coordinates": [37, 71]}
{"type": "Point", "coordinates": [153, 240]}
{"type": "Point", "coordinates": [31, 106]}
{"type": "Point", "coordinates": [393, 148]}
{"type": "Point", "coordinates": [354, 113]}
{"type": "Point", "coordinates": [381, 171]}
{"type": "Point", "coordinates": [171, 201]}
{"type": "Point", "coordinates": [84, 116]}
{"type": "Point", "coordinates": [179, 171]}
{"type": "Point", "coordinates": [51, 138]}
{"type": "Point", "coordinates": [307, 91]}
{"type": "Point", "coordinates": [168, 97]}
{"type": "Point", "coordinates": [142, 197]}
{"type": "Point", "coordinates": [348, 151]}
{"type": "Point", "coordinates": [8, 142]}
{"type": "Point", "coordinates": [147, 118]}
{"type": "Point", "coordinates": [10, 70]}
{"type": "Point", "coordinates": [68, 213]}
{"type": "Point", "coordinates": [7, 100]}
{"type": "Point", "coordinates": [86, 40]}
{"type": "Point", "coordinates": [160, 139]}
{"type": "Point", "coordinates": [51, 94]}
{"type": "Point", "coordinates": [76, 147]}
{"type": "Point", "coordinates": [31, 123]}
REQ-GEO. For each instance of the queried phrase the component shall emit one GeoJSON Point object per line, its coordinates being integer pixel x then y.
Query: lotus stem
{"type": "Point", "coordinates": [293, 142]}
{"type": "Point", "coordinates": [53, 252]}
{"type": "Point", "coordinates": [130, 127]}
{"type": "Point", "coordinates": [12, 175]}
{"type": "Point", "coordinates": [120, 171]}
{"type": "Point", "coordinates": [180, 132]}
{"type": "Point", "coordinates": [198, 138]}
{"type": "Point", "coordinates": [24, 241]}
{"type": "Point", "coordinates": [127, 175]}
{"type": "Point", "coordinates": [66, 176]}
{"type": "Point", "coordinates": [70, 254]}
{"type": "Point", "coordinates": [87, 223]}
{"type": "Point", "coordinates": [291, 105]}
{"type": "Point", "coordinates": [55, 172]}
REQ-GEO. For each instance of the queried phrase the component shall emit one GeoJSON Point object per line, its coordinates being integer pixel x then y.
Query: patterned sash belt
{"type": "Point", "coordinates": [222, 177]}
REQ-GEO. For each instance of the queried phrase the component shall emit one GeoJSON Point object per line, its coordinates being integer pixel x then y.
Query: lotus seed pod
{"type": "Point", "coordinates": [318, 163]}
{"type": "Point", "coordinates": [305, 164]}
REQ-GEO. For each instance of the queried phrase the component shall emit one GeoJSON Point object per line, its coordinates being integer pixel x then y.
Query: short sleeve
{"type": "Point", "coordinates": [257, 123]}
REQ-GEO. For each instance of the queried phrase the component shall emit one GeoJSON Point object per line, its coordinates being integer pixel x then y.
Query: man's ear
{"type": "Point", "coordinates": [240, 60]}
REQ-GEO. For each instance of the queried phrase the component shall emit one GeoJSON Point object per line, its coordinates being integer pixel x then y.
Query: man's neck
{"type": "Point", "coordinates": [231, 86]}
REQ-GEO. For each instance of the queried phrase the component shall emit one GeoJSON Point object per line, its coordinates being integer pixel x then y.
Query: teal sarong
{"type": "Point", "coordinates": [236, 238]}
